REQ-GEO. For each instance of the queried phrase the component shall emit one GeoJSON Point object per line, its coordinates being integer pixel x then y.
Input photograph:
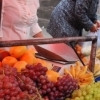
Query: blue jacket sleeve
{"type": "Point", "coordinates": [81, 10]}
{"type": "Point", "coordinates": [93, 18]}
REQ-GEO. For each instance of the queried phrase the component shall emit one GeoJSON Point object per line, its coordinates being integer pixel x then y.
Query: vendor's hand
{"type": "Point", "coordinates": [94, 28]}
{"type": "Point", "coordinates": [98, 23]}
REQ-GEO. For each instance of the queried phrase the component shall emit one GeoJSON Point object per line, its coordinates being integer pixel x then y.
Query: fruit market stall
{"type": "Point", "coordinates": [25, 77]}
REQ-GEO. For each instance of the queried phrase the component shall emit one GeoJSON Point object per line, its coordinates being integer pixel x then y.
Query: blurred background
{"type": "Point", "coordinates": [44, 12]}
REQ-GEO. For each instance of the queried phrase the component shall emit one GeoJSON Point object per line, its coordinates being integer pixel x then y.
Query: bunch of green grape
{"type": "Point", "coordinates": [87, 92]}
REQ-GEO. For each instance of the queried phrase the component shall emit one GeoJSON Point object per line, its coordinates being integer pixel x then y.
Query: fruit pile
{"type": "Point", "coordinates": [19, 56]}
{"type": "Point", "coordinates": [24, 77]}
{"type": "Point", "coordinates": [78, 49]}
{"type": "Point", "coordinates": [88, 92]}
{"type": "Point", "coordinates": [81, 73]}
{"type": "Point", "coordinates": [33, 83]}
{"type": "Point", "coordinates": [15, 87]}
{"type": "Point", "coordinates": [97, 69]}
{"type": "Point", "coordinates": [98, 53]}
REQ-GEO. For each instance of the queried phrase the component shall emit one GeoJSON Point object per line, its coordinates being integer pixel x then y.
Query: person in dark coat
{"type": "Point", "coordinates": [69, 17]}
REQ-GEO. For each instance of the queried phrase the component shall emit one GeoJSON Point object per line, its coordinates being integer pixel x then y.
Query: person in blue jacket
{"type": "Point", "coordinates": [70, 17]}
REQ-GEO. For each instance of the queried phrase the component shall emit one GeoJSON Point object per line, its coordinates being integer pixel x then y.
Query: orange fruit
{"type": "Point", "coordinates": [85, 60]}
{"type": "Point", "coordinates": [31, 47]}
{"type": "Point", "coordinates": [9, 60]}
{"type": "Point", "coordinates": [17, 51]}
{"type": "Point", "coordinates": [29, 58]}
{"type": "Point", "coordinates": [78, 47]}
{"type": "Point", "coordinates": [30, 51]}
{"type": "Point", "coordinates": [43, 62]}
{"type": "Point", "coordinates": [20, 65]}
{"type": "Point", "coordinates": [52, 75]}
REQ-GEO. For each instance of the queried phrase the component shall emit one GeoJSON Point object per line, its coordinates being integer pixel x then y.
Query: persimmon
{"type": "Point", "coordinates": [9, 60]}
{"type": "Point", "coordinates": [78, 47]}
{"type": "Point", "coordinates": [29, 58]}
{"type": "Point", "coordinates": [43, 62]}
{"type": "Point", "coordinates": [85, 60]}
{"type": "Point", "coordinates": [17, 51]}
{"type": "Point", "coordinates": [30, 51]}
{"type": "Point", "coordinates": [52, 75]}
{"type": "Point", "coordinates": [20, 65]}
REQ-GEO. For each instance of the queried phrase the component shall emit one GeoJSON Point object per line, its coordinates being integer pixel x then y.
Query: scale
{"type": "Point", "coordinates": [58, 52]}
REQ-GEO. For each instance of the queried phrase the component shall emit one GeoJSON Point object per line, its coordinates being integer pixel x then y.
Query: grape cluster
{"type": "Point", "coordinates": [9, 89]}
{"type": "Point", "coordinates": [7, 70]}
{"type": "Point", "coordinates": [62, 88]}
{"type": "Point", "coordinates": [38, 74]}
{"type": "Point", "coordinates": [33, 84]}
{"type": "Point", "coordinates": [87, 92]}
{"type": "Point", "coordinates": [53, 91]}
{"type": "Point", "coordinates": [15, 86]}
{"type": "Point", "coordinates": [34, 71]}
{"type": "Point", "coordinates": [65, 87]}
{"type": "Point", "coordinates": [26, 84]}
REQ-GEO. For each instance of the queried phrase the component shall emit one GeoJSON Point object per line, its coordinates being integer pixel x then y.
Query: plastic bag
{"type": "Point", "coordinates": [98, 41]}
{"type": "Point", "coordinates": [93, 34]}
{"type": "Point", "coordinates": [86, 46]}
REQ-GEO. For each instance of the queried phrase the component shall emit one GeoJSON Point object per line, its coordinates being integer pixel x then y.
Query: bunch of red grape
{"type": "Point", "coordinates": [65, 87]}
{"type": "Point", "coordinates": [34, 71]}
{"type": "Point", "coordinates": [10, 90]}
{"type": "Point", "coordinates": [38, 74]}
{"type": "Point", "coordinates": [7, 70]}
{"type": "Point", "coordinates": [33, 84]}
{"type": "Point", "coordinates": [15, 86]}
{"type": "Point", "coordinates": [60, 90]}
{"type": "Point", "coordinates": [25, 83]}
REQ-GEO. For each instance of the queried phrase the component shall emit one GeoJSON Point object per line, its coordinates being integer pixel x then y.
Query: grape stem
{"type": "Point", "coordinates": [29, 97]}
{"type": "Point", "coordinates": [36, 91]}
{"type": "Point", "coordinates": [39, 94]}
{"type": "Point", "coordinates": [34, 97]}
{"type": "Point", "coordinates": [20, 79]}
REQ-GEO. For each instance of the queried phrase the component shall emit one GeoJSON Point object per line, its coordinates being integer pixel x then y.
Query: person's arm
{"type": "Point", "coordinates": [39, 34]}
{"type": "Point", "coordinates": [93, 18]}
{"type": "Point", "coordinates": [81, 10]}
{"type": "Point", "coordinates": [36, 31]}
{"type": "Point", "coordinates": [98, 23]}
